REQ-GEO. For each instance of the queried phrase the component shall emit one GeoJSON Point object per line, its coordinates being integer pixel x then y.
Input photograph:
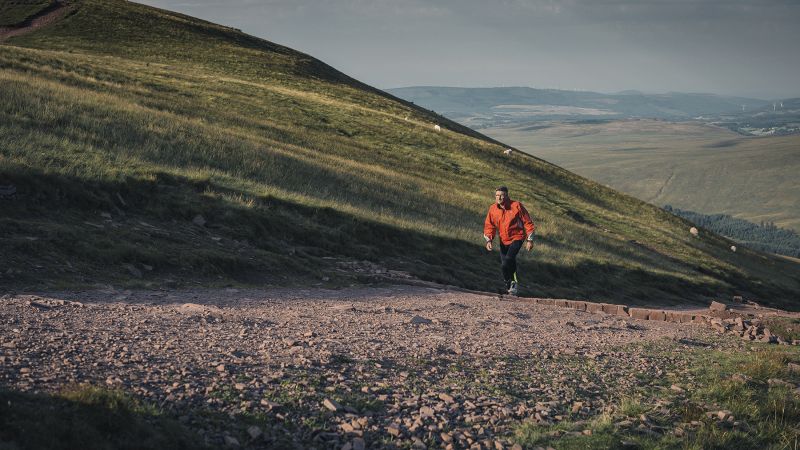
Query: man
{"type": "Point", "coordinates": [514, 226]}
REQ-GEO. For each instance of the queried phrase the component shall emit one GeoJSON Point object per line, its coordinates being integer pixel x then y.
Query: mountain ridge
{"type": "Point", "coordinates": [479, 106]}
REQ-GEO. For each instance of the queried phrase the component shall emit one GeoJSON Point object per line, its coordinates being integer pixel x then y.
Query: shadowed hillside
{"type": "Point", "coordinates": [148, 148]}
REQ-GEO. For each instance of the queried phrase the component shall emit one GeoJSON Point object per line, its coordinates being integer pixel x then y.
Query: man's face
{"type": "Point", "coordinates": [500, 197]}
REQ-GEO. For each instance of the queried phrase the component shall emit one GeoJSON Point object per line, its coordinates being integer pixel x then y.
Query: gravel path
{"type": "Point", "coordinates": [374, 367]}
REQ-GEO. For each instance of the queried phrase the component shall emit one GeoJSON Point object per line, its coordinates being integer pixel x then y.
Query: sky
{"type": "Point", "coordinates": [730, 47]}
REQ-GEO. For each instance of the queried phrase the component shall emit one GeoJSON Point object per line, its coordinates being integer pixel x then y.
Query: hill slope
{"type": "Point", "coordinates": [686, 165]}
{"type": "Point", "coordinates": [151, 148]}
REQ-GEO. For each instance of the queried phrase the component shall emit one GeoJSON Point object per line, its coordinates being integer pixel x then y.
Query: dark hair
{"type": "Point", "coordinates": [502, 188]}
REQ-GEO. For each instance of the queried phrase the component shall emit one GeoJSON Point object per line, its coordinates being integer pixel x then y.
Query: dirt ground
{"type": "Point", "coordinates": [372, 367]}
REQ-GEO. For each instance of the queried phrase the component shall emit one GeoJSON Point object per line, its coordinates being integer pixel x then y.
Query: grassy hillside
{"type": "Point", "coordinates": [122, 123]}
{"type": "Point", "coordinates": [689, 166]}
{"type": "Point", "coordinates": [13, 12]}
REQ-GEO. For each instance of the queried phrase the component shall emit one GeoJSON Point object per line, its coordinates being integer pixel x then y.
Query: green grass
{"type": "Point", "coordinates": [786, 327]}
{"type": "Point", "coordinates": [769, 415]}
{"type": "Point", "coordinates": [296, 168]}
{"type": "Point", "coordinates": [13, 12]}
{"type": "Point", "coordinates": [89, 418]}
{"type": "Point", "coordinates": [686, 165]}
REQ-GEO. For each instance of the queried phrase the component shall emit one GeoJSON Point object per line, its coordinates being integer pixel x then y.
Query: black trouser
{"type": "Point", "coordinates": [508, 260]}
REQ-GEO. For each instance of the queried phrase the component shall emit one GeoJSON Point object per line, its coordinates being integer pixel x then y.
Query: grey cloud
{"type": "Point", "coordinates": [729, 47]}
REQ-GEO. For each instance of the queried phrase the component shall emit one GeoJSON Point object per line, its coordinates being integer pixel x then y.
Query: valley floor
{"type": "Point", "coordinates": [401, 366]}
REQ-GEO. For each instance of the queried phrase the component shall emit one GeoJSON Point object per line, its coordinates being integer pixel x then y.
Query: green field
{"type": "Point", "coordinates": [122, 123]}
{"type": "Point", "coordinates": [686, 165]}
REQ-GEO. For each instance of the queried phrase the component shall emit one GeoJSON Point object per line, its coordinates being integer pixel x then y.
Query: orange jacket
{"type": "Point", "coordinates": [512, 220]}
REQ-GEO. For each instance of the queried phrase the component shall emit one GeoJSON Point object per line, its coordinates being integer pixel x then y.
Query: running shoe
{"type": "Point", "coordinates": [512, 290]}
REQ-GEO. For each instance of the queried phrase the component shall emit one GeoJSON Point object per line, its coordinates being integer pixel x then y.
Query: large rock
{"type": "Point", "coordinates": [446, 398]}
{"type": "Point", "coordinates": [621, 310]}
{"type": "Point", "coordinates": [717, 306]}
{"type": "Point", "coordinates": [686, 317]}
{"type": "Point", "coordinates": [394, 429]}
{"type": "Point", "coordinates": [331, 405]}
{"type": "Point", "coordinates": [594, 307]}
{"type": "Point", "coordinates": [639, 313]}
{"type": "Point", "coordinates": [580, 306]}
{"type": "Point", "coordinates": [608, 308]}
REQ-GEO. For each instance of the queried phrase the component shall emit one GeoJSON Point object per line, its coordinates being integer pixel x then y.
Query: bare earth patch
{"type": "Point", "coordinates": [376, 367]}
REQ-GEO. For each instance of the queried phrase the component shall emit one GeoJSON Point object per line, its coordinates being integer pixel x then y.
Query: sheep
{"type": "Point", "coordinates": [437, 128]}
{"type": "Point", "coordinates": [733, 248]}
{"type": "Point", "coordinates": [693, 231]}
{"type": "Point", "coordinates": [507, 152]}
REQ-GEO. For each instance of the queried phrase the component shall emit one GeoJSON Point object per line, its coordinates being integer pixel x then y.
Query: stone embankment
{"type": "Point", "coordinates": [718, 316]}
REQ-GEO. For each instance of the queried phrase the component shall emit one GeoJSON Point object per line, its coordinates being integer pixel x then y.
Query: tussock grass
{"type": "Point", "coordinates": [631, 406]}
{"type": "Point", "coordinates": [294, 166]}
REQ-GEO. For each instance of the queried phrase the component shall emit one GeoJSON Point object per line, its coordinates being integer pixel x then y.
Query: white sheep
{"type": "Point", "coordinates": [693, 231]}
{"type": "Point", "coordinates": [733, 248]}
{"type": "Point", "coordinates": [437, 128]}
{"type": "Point", "coordinates": [507, 152]}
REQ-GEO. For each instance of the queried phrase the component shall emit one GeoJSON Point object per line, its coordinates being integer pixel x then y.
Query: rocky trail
{"type": "Point", "coordinates": [355, 368]}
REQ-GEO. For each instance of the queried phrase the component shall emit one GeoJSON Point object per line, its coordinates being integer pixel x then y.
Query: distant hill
{"type": "Point", "coordinates": [484, 107]}
{"type": "Point", "coordinates": [144, 148]}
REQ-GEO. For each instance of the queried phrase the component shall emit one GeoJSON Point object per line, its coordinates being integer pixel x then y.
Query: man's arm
{"type": "Point", "coordinates": [529, 226]}
{"type": "Point", "coordinates": [488, 230]}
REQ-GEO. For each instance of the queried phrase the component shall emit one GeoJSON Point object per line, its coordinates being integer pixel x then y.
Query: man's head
{"type": "Point", "coordinates": [500, 195]}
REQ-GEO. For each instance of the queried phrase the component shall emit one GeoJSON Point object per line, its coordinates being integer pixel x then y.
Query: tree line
{"type": "Point", "coordinates": [765, 237]}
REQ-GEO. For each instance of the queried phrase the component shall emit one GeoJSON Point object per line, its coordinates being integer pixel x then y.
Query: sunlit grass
{"type": "Point", "coordinates": [737, 381]}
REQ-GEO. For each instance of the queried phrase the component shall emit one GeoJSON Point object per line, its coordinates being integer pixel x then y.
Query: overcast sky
{"type": "Point", "coordinates": [749, 48]}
